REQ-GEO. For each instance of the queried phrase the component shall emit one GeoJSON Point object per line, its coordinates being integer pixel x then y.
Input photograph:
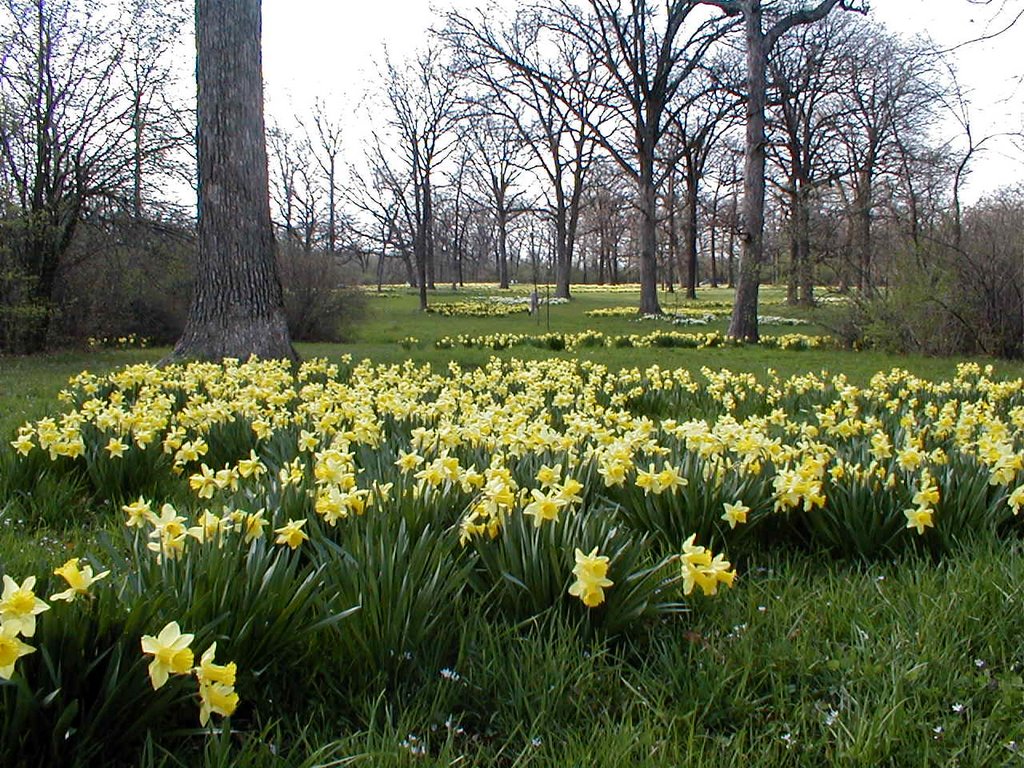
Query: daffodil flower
{"type": "Point", "coordinates": [171, 654]}
{"type": "Point", "coordinates": [591, 571]}
{"type": "Point", "coordinates": [19, 606]}
{"type": "Point", "coordinates": [291, 533]}
{"type": "Point", "coordinates": [11, 649]}
{"type": "Point", "coordinates": [79, 580]}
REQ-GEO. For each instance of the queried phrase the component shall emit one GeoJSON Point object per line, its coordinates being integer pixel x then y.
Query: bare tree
{"type": "Point", "coordinates": [425, 106]}
{"type": "Point", "coordinates": [549, 98]}
{"type": "Point", "coordinates": [707, 107]}
{"type": "Point", "coordinates": [325, 147]}
{"type": "Point", "coordinates": [806, 82]}
{"type": "Point", "coordinates": [759, 44]}
{"type": "Point", "coordinates": [647, 56]}
{"type": "Point", "coordinates": [889, 92]}
{"type": "Point", "coordinates": [75, 133]}
{"type": "Point", "coordinates": [237, 305]}
{"type": "Point", "coordinates": [496, 166]}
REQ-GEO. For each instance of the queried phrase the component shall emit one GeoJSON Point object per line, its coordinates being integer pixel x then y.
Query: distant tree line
{"type": "Point", "coordinates": [601, 142]}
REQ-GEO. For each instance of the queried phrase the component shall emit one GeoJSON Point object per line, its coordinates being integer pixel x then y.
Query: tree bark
{"type": "Point", "coordinates": [238, 305]}
{"type": "Point", "coordinates": [648, 236]}
{"type": "Point", "coordinates": [743, 324]}
{"type": "Point", "coordinates": [691, 233]}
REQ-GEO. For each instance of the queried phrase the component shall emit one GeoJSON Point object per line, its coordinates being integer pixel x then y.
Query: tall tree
{"type": "Point", "coordinates": [706, 112]}
{"type": "Point", "coordinates": [496, 167]}
{"type": "Point", "coordinates": [425, 106]}
{"type": "Point", "coordinates": [237, 304]}
{"type": "Point", "coordinates": [549, 97]}
{"type": "Point", "coordinates": [647, 56]}
{"type": "Point", "coordinates": [890, 96]}
{"type": "Point", "coordinates": [806, 82]}
{"type": "Point", "coordinates": [75, 135]}
{"type": "Point", "coordinates": [759, 44]}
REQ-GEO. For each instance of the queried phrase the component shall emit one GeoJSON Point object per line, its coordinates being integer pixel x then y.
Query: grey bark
{"type": "Point", "coordinates": [237, 306]}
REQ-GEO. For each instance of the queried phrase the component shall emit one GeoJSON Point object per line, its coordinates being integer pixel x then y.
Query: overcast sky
{"type": "Point", "coordinates": [328, 49]}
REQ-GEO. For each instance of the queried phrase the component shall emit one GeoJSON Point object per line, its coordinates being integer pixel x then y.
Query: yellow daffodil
{"type": "Point", "coordinates": [209, 672]}
{"type": "Point", "coordinates": [116, 447]}
{"type": "Point", "coordinates": [23, 444]}
{"type": "Point", "coordinates": [11, 649]}
{"type": "Point", "coordinates": [19, 606]}
{"type": "Point", "coordinates": [919, 518]}
{"type": "Point", "coordinates": [204, 482]}
{"type": "Point", "coordinates": [544, 507]}
{"type": "Point", "coordinates": [79, 580]}
{"type": "Point", "coordinates": [254, 525]}
{"type": "Point", "coordinates": [735, 513]}
{"type": "Point", "coordinates": [216, 699]}
{"type": "Point", "coordinates": [591, 571]}
{"type": "Point", "coordinates": [291, 533]}
{"type": "Point", "coordinates": [701, 569]}
{"type": "Point", "coordinates": [139, 513]}
{"type": "Point", "coordinates": [171, 654]}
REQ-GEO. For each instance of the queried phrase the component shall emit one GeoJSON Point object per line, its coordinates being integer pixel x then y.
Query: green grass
{"type": "Point", "coordinates": [804, 662]}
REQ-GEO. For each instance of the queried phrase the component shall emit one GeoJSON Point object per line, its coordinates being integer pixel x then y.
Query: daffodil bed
{"type": "Point", "coordinates": [354, 510]}
{"type": "Point", "coordinates": [667, 339]}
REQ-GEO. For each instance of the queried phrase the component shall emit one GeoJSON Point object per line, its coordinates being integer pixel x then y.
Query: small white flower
{"type": "Point", "coordinates": [958, 708]}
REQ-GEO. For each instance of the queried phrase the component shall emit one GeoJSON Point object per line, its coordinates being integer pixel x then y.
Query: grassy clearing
{"type": "Point", "coordinates": [910, 659]}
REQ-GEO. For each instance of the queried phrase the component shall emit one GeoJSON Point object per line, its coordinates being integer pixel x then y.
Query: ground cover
{"type": "Point", "coordinates": [488, 559]}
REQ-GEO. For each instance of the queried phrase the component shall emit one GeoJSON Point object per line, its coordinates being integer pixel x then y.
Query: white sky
{"type": "Point", "coordinates": [327, 49]}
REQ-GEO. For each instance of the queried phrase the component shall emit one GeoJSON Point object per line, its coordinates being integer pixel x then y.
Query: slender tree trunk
{"type": "Point", "coordinates": [237, 306]}
{"type": "Point", "coordinates": [503, 281]}
{"type": "Point", "coordinates": [674, 255]}
{"type": "Point", "coordinates": [862, 229]}
{"type": "Point", "coordinates": [428, 232]}
{"type": "Point", "coordinates": [792, 279]}
{"type": "Point", "coordinates": [648, 237]}
{"type": "Point", "coordinates": [691, 235]}
{"type": "Point", "coordinates": [805, 276]}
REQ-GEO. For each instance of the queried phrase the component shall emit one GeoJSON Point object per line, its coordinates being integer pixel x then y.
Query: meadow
{"type": "Point", "coordinates": [483, 537]}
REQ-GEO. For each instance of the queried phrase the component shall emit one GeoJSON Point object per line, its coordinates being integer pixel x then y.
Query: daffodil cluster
{"type": "Point", "coordinates": [342, 440]}
{"type": "Point", "coordinates": [701, 568]}
{"type": "Point", "coordinates": [572, 341]}
{"type": "Point", "coordinates": [169, 532]}
{"type": "Point", "coordinates": [477, 309]}
{"type": "Point", "coordinates": [172, 655]}
{"type": "Point", "coordinates": [591, 572]}
{"type": "Point", "coordinates": [19, 607]}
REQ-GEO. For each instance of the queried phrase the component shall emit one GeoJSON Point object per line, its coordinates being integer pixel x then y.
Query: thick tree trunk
{"type": "Point", "coordinates": [743, 324]}
{"type": "Point", "coordinates": [237, 306]}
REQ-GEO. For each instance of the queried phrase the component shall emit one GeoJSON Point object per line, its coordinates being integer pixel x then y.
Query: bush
{"type": "Point", "coordinates": [319, 302]}
{"type": "Point", "coordinates": [952, 294]}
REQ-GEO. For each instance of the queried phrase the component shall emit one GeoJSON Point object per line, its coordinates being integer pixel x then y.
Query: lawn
{"type": "Point", "coordinates": [605, 555]}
